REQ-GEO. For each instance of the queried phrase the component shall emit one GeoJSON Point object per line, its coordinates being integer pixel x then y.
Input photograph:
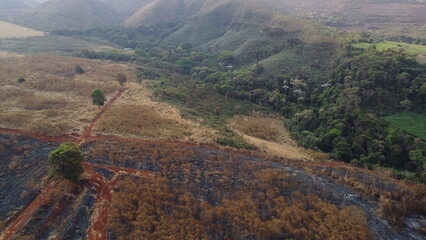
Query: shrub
{"type": "Point", "coordinates": [79, 69]}
{"type": "Point", "coordinates": [66, 161]}
{"type": "Point", "coordinates": [21, 79]}
{"type": "Point", "coordinates": [121, 78]}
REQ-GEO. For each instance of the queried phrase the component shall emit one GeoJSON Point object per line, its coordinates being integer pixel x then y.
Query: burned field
{"type": "Point", "coordinates": [139, 189]}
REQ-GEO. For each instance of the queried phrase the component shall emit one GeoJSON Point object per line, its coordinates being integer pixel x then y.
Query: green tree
{"type": "Point", "coordinates": [98, 98]}
{"type": "Point", "coordinates": [226, 57]}
{"type": "Point", "coordinates": [121, 78]}
{"type": "Point", "coordinates": [66, 161]}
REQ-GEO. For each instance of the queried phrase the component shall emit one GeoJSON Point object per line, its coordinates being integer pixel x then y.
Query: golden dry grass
{"type": "Point", "coordinates": [136, 114]}
{"type": "Point", "coordinates": [268, 133]}
{"type": "Point", "coordinates": [53, 99]}
{"type": "Point", "coordinates": [141, 121]}
{"type": "Point", "coordinates": [9, 30]}
{"type": "Point", "coordinates": [421, 59]}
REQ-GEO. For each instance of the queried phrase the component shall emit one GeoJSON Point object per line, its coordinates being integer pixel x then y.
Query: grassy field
{"type": "Point", "coordinates": [136, 114]}
{"type": "Point", "coordinates": [413, 123]}
{"type": "Point", "coordinates": [421, 59]}
{"type": "Point", "coordinates": [9, 30]}
{"type": "Point", "coordinates": [412, 49]}
{"type": "Point", "coordinates": [48, 44]}
{"type": "Point", "coordinates": [269, 135]}
{"type": "Point", "coordinates": [53, 99]}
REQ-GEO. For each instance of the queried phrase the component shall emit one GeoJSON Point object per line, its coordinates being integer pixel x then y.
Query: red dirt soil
{"type": "Point", "coordinates": [19, 222]}
{"type": "Point", "coordinates": [98, 226]}
{"type": "Point", "coordinates": [42, 137]}
{"type": "Point", "coordinates": [98, 116]}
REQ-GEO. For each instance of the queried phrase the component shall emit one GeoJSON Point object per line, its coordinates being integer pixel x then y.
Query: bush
{"type": "Point", "coordinates": [98, 98]}
{"type": "Point", "coordinates": [21, 79]}
{"type": "Point", "coordinates": [79, 69]}
{"type": "Point", "coordinates": [66, 161]}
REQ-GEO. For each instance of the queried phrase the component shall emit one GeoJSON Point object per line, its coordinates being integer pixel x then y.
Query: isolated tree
{"type": "Point", "coordinates": [66, 161]}
{"type": "Point", "coordinates": [98, 98]}
{"type": "Point", "coordinates": [121, 78]}
{"type": "Point", "coordinates": [79, 69]}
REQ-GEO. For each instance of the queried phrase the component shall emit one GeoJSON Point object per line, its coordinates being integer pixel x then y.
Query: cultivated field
{"type": "Point", "coordinates": [413, 123]}
{"type": "Point", "coordinates": [9, 30]}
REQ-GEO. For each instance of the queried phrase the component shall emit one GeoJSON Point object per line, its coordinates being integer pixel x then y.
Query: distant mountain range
{"type": "Point", "coordinates": [13, 4]}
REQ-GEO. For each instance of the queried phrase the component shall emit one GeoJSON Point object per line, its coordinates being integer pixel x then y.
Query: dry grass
{"type": "Point", "coordinates": [269, 128]}
{"type": "Point", "coordinates": [141, 121]}
{"type": "Point", "coordinates": [53, 99]}
{"type": "Point", "coordinates": [268, 133]}
{"type": "Point", "coordinates": [9, 54]}
{"type": "Point", "coordinates": [9, 30]}
{"type": "Point", "coordinates": [421, 59]}
{"type": "Point", "coordinates": [136, 114]}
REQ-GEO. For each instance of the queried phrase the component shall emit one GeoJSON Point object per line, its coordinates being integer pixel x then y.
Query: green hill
{"type": "Point", "coordinates": [69, 14]}
{"type": "Point", "coordinates": [251, 30]}
{"type": "Point", "coordinates": [126, 8]}
{"type": "Point", "coordinates": [161, 11]}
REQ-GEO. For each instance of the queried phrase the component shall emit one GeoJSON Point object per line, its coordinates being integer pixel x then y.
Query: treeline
{"type": "Point", "coordinates": [137, 37]}
{"type": "Point", "coordinates": [344, 118]}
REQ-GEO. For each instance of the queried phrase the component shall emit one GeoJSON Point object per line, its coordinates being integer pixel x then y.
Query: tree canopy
{"type": "Point", "coordinates": [98, 98]}
{"type": "Point", "coordinates": [66, 161]}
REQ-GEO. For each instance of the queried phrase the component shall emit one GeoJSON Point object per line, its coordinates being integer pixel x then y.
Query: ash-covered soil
{"type": "Point", "coordinates": [77, 210]}
{"type": "Point", "coordinates": [23, 167]}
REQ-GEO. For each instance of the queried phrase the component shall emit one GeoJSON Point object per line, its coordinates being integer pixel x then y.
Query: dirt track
{"type": "Point", "coordinates": [28, 211]}
{"type": "Point", "coordinates": [98, 228]}
{"type": "Point", "coordinates": [98, 116]}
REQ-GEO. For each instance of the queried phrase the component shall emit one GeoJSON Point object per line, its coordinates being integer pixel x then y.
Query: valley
{"type": "Point", "coordinates": [227, 119]}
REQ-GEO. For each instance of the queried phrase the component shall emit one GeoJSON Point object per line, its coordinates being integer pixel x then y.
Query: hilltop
{"type": "Point", "coordinates": [251, 30]}
{"type": "Point", "coordinates": [69, 14]}
{"type": "Point", "coordinates": [125, 9]}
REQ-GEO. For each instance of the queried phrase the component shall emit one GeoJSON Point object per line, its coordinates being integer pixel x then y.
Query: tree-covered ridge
{"type": "Point", "coordinates": [344, 118]}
